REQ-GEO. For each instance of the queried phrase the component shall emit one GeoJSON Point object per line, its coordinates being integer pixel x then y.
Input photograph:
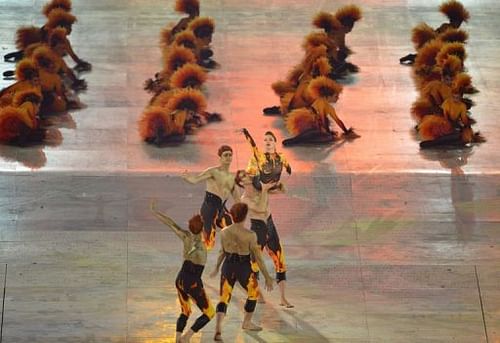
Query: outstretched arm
{"type": "Point", "coordinates": [253, 164]}
{"type": "Point", "coordinates": [194, 179]}
{"type": "Point", "coordinates": [182, 234]}
{"type": "Point", "coordinates": [333, 115]}
{"type": "Point", "coordinates": [72, 54]}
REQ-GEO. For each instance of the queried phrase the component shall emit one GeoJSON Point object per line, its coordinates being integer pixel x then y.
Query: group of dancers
{"type": "Point", "coordinates": [442, 111]}
{"type": "Point", "coordinates": [308, 92]}
{"type": "Point", "coordinates": [178, 105]}
{"type": "Point", "coordinates": [44, 84]}
{"type": "Point", "coordinates": [240, 254]}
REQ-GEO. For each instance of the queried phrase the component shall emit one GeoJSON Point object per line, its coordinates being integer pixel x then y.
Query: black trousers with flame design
{"type": "Point", "coordinates": [267, 237]}
{"type": "Point", "coordinates": [190, 287]}
{"type": "Point", "coordinates": [238, 268]}
{"type": "Point", "coordinates": [214, 215]}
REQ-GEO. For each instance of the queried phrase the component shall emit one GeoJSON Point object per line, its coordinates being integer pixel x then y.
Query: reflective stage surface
{"type": "Point", "coordinates": [384, 243]}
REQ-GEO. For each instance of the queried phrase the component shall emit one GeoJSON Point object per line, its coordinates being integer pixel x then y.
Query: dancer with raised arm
{"type": "Point", "coordinates": [220, 184]}
{"type": "Point", "coordinates": [267, 165]}
{"type": "Point", "coordinates": [262, 224]}
{"type": "Point", "coordinates": [188, 283]}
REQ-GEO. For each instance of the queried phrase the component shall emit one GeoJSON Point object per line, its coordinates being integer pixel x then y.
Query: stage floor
{"type": "Point", "coordinates": [384, 242]}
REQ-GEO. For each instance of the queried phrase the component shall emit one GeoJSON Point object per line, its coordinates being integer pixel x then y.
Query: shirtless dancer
{"type": "Point", "coordinates": [262, 224]}
{"type": "Point", "coordinates": [237, 244]}
{"type": "Point", "coordinates": [220, 184]}
{"type": "Point", "coordinates": [188, 283]}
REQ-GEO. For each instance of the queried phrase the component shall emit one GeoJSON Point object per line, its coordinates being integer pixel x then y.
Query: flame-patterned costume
{"type": "Point", "coordinates": [268, 238]}
{"type": "Point", "coordinates": [237, 268]}
{"type": "Point", "coordinates": [190, 287]}
{"type": "Point", "coordinates": [265, 166]}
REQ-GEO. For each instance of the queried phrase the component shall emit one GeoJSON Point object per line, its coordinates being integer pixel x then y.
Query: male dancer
{"type": "Point", "coordinates": [237, 244]}
{"type": "Point", "coordinates": [220, 184]}
{"type": "Point", "coordinates": [188, 283]}
{"type": "Point", "coordinates": [262, 224]}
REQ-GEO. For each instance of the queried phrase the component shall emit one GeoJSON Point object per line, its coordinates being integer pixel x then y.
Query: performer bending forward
{"type": "Point", "coordinates": [262, 224]}
{"type": "Point", "coordinates": [220, 184]}
{"type": "Point", "coordinates": [188, 282]}
{"type": "Point", "coordinates": [237, 244]}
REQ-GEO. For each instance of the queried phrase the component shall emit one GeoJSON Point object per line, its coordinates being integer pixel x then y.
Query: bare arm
{"type": "Point", "coordinates": [220, 259]}
{"type": "Point", "coordinates": [194, 179]}
{"type": "Point", "coordinates": [236, 194]}
{"type": "Point", "coordinates": [182, 234]}
{"type": "Point", "coordinates": [71, 53]}
{"type": "Point", "coordinates": [255, 250]}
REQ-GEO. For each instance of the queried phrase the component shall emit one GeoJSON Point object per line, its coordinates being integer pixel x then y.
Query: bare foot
{"type": "Point", "coordinates": [251, 326]}
{"type": "Point", "coordinates": [286, 304]}
{"type": "Point", "coordinates": [261, 299]}
{"type": "Point", "coordinates": [218, 337]}
{"type": "Point", "coordinates": [185, 338]}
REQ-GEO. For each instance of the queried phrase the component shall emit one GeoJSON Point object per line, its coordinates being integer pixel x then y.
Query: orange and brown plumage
{"type": "Point", "coordinates": [421, 34]}
{"type": "Point", "coordinates": [59, 17]}
{"type": "Point", "coordinates": [434, 126]}
{"type": "Point", "coordinates": [323, 87]}
{"type": "Point", "coordinates": [455, 11]}
{"type": "Point", "coordinates": [56, 4]}
{"type": "Point", "coordinates": [295, 73]}
{"type": "Point", "coordinates": [186, 39]}
{"type": "Point", "coordinates": [202, 27]}
{"type": "Point", "coordinates": [427, 54]}
{"type": "Point", "coordinates": [57, 36]}
{"type": "Point", "coordinates": [315, 39]}
{"type": "Point", "coordinates": [154, 123]}
{"type": "Point", "coordinates": [311, 56]}
{"type": "Point", "coordinates": [13, 122]}
{"type": "Point", "coordinates": [45, 58]}
{"type": "Point", "coordinates": [33, 95]}
{"type": "Point", "coordinates": [28, 35]}
{"type": "Point", "coordinates": [321, 67]}
{"type": "Point", "coordinates": [454, 35]}
{"type": "Point", "coordinates": [451, 49]}
{"type": "Point", "coordinates": [300, 120]}
{"type": "Point", "coordinates": [26, 70]}
{"type": "Point", "coordinates": [282, 87]}
{"type": "Point", "coordinates": [348, 15]}
{"type": "Point", "coordinates": [326, 21]}
{"type": "Point", "coordinates": [161, 99]}
{"type": "Point", "coordinates": [176, 58]}
{"type": "Point", "coordinates": [189, 75]}
{"type": "Point", "coordinates": [451, 66]}
{"type": "Point", "coordinates": [187, 99]}
{"type": "Point", "coordinates": [421, 108]}
{"type": "Point", "coordinates": [191, 7]}
{"type": "Point", "coordinates": [166, 36]}
{"type": "Point", "coordinates": [462, 83]}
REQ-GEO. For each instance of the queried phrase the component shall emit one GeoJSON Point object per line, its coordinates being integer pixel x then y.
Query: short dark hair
{"type": "Point", "coordinates": [269, 133]}
{"type": "Point", "coordinates": [238, 177]}
{"type": "Point", "coordinates": [196, 224]}
{"type": "Point", "coordinates": [239, 212]}
{"type": "Point", "coordinates": [223, 149]}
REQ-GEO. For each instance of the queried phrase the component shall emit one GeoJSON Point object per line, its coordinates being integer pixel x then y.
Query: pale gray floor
{"type": "Point", "coordinates": [384, 243]}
